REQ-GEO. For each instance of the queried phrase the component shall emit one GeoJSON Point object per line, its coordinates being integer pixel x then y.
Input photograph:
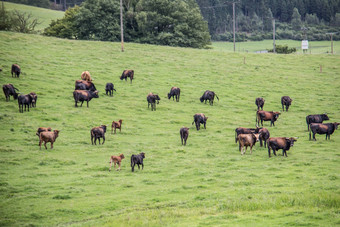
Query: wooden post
{"type": "Point", "coordinates": [274, 50]}
{"type": "Point", "coordinates": [234, 23]}
{"type": "Point", "coordinates": [320, 68]}
{"type": "Point", "coordinates": [121, 26]}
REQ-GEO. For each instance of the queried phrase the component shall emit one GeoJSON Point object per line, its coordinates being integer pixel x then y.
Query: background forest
{"type": "Point", "coordinates": [294, 19]}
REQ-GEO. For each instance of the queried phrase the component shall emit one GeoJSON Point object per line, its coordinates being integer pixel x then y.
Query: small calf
{"type": "Point", "coordinates": [184, 132]}
{"type": "Point", "coordinates": [137, 160]}
{"type": "Point", "coordinates": [115, 160]}
{"type": "Point", "coordinates": [115, 125]}
{"type": "Point", "coordinates": [109, 88]}
{"type": "Point", "coordinates": [48, 137]}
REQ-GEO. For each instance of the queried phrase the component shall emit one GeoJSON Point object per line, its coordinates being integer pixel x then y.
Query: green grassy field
{"type": "Point", "coordinates": [44, 16]}
{"type": "Point", "coordinates": [206, 183]}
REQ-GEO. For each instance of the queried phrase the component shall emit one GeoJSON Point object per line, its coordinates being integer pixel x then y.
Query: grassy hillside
{"type": "Point", "coordinates": [207, 182]}
{"type": "Point", "coordinates": [45, 16]}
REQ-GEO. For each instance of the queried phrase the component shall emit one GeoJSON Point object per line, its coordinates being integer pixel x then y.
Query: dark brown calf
{"type": "Point", "coordinates": [286, 101]}
{"type": "Point", "coordinates": [97, 133]}
{"type": "Point", "coordinates": [126, 74]}
{"type": "Point", "coordinates": [9, 90]}
{"type": "Point", "coordinates": [199, 119]}
{"type": "Point", "coordinates": [16, 70]}
{"type": "Point", "coordinates": [259, 103]}
{"type": "Point", "coordinates": [271, 116]}
{"type": "Point", "coordinates": [184, 133]}
{"type": "Point", "coordinates": [264, 136]}
{"type": "Point", "coordinates": [115, 125]}
{"type": "Point", "coordinates": [48, 137]}
{"type": "Point", "coordinates": [175, 92]}
{"type": "Point", "coordinates": [81, 96]}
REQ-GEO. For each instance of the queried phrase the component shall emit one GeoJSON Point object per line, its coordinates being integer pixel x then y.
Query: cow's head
{"type": "Point", "coordinates": [205, 119]}
{"type": "Point", "coordinates": [325, 116]}
{"type": "Point", "coordinates": [157, 98]}
{"type": "Point", "coordinates": [142, 154]}
{"type": "Point", "coordinates": [121, 156]}
{"type": "Point", "coordinates": [202, 99]}
{"type": "Point", "coordinates": [336, 125]}
{"type": "Point", "coordinates": [56, 133]}
{"type": "Point", "coordinates": [256, 136]}
{"type": "Point", "coordinates": [291, 140]}
{"type": "Point", "coordinates": [276, 115]}
{"type": "Point", "coordinates": [95, 94]}
{"type": "Point", "coordinates": [169, 96]}
{"type": "Point", "coordinates": [103, 127]}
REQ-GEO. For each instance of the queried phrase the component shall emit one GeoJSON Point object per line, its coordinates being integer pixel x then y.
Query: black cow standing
{"type": "Point", "coordinates": [264, 136]}
{"type": "Point", "coordinates": [259, 103]}
{"type": "Point", "coordinates": [137, 160]}
{"type": "Point", "coordinates": [109, 88]}
{"type": "Point", "coordinates": [277, 143]}
{"type": "Point", "coordinates": [209, 95]}
{"type": "Point", "coordinates": [174, 92]}
{"type": "Point", "coordinates": [320, 128]}
{"type": "Point", "coordinates": [97, 133]}
{"type": "Point", "coordinates": [184, 133]}
{"type": "Point", "coordinates": [316, 118]}
{"type": "Point", "coordinates": [25, 100]}
{"type": "Point", "coordinates": [84, 85]}
{"type": "Point", "coordinates": [34, 99]}
{"type": "Point", "coordinates": [81, 96]}
{"type": "Point", "coordinates": [9, 90]}
{"type": "Point", "coordinates": [199, 119]}
{"type": "Point", "coordinates": [286, 101]}
{"type": "Point", "coordinates": [152, 98]}
{"type": "Point", "coordinates": [16, 70]}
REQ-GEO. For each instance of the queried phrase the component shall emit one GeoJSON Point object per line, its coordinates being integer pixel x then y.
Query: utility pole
{"type": "Point", "coordinates": [274, 51]}
{"type": "Point", "coordinates": [121, 26]}
{"type": "Point", "coordinates": [331, 34]}
{"type": "Point", "coordinates": [234, 24]}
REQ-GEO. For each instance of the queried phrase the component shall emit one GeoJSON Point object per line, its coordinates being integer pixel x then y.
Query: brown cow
{"type": "Point", "coordinates": [284, 143]}
{"type": "Point", "coordinates": [115, 160]}
{"type": "Point", "coordinates": [126, 74]}
{"type": "Point", "coordinates": [16, 70]}
{"type": "Point", "coordinates": [115, 125]}
{"type": "Point", "coordinates": [184, 132]}
{"type": "Point", "coordinates": [286, 101]}
{"type": "Point", "coordinates": [43, 129]}
{"type": "Point", "coordinates": [199, 119]}
{"type": "Point", "coordinates": [264, 136]}
{"type": "Point", "coordinates": [262, 115]}
{"type": "Point", "coordinates": [320, 128]}
{"type": "Point", "coordinates": [9, 90]}
{"type": "Point", "coordinates": [259, 103]}
{"type": "Point", "coordinates": [86, 76]}
{"type": "Point", "coordinates": [247, 140]}
{"type": "Point", "coordinates": [97, 133]}
{"type": "Point", "coordinates": [48, 137]}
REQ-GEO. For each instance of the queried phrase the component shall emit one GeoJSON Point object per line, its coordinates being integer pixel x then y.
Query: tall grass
{"type": "Point", "coordinates": [206, 182]}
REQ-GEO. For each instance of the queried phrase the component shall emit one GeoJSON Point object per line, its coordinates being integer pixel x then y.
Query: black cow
{"type": "Point", "coordinates": [264, 136]}
{"type": "Point", "coordinates": [152, 98]}
{"type": "Point", "coordinates": [109, 88]}
{"type": "Point", "coordinates": [259, 103]}
{"type": "Point", "coordinates": [277, 143]}
{"type": "Point", "coordinates": [16, 70]}
{"type": "Point", "coordinates": [271, 116]}
{"type": "Point", "coordinates": [320, 128]}
{"type": "Point", "coordinates": [126, 74]}
{"type": "Point", "coordinates": [174, 92]}
{"type": "Point", "coordinates": [286, 101]}
{"type": "Point", "coordinates": [241, 130]}
{"type": "Point", "coordinates": [84, 85]}
{"type": "Point", "coordinates": [209, 95]}
{"type": "Point", "coordinates": [81, 96]}
{"type": "Point", "coordinates": [199, 119]}
{"type": "Point", "coordinates": [97, 133]}
{"type": "Point", "coordinates": [9, 90]}
{"type": "Point", "coordinates": [316, 118]}
{"type": "Point", "coordinates": [137, 160]}
{"type": "Point", "coordinates": [34, 99]}
{"type": "Point", "coordinates": [25, 100]}
{"type": "Point", "coordinates": [184, 132]}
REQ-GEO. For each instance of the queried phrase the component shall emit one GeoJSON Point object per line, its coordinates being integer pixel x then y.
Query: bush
{"type": "Point", "coordinates": [283, 49]}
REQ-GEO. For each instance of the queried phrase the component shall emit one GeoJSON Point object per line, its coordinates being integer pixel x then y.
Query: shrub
{"type": "Point", "coordinates": [283, 49]}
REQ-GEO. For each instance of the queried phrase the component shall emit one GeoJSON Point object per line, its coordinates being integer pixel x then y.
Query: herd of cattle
{"type": "Point", "coordinates": [85, 90]}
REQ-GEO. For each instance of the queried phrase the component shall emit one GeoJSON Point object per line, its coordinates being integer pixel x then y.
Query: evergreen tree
{"type": "Point", "coordinates": [296, 20]}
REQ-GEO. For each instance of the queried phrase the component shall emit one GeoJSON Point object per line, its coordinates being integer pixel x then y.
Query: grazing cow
{"type": "Point", "coordinates": [259, 103]}
{"type": "Point", "coordinates": [126, 74]}
{"type": "Point", "coordinates": [97, 133]}
{"type": "Point", "coordinates": [84, 85]}
{"type": "Point", "coordinates": [115, 160]}
{"type": "Point", "coordinates": [209, 95]}
{"type": "Point", "coordinates": [86, 76]}
{"type": "Point", "coordinates": [34, 99]}
{"type": "Point", "coordinates": [286, 101]}
{"type": "Point", "coordinates": [320, 128]}
{"type": "Point", "coordinates": [16, 70]}
{"type": "Point", "coordinates": [174, 92]}
{"type": "Point", "coordinates": [199, 119]}
{"type": "Point", "coordinates": [115, 125]}
{"type": "Point", "coordinates": [43, 129]}
{"type": "Point", "coordinates": [137, 160]}
{"type": "Point", "coordinates": [48, 137]}
{"type": "Point", "coordinates": [9, 90]}
{"type": "Point", "coordinates": [81, 96]}
{"type": "Point", "coordinates": [241, 130]}
{"type": "Point", "coordinates": [247, 140]}
{"type": "Point", "coordinates": [316, 118]}
{"type": "Point", "coordinates": [25, 100]}
{"type": "Point", "coordinates": [152, 98]}
{"type": "Point", "coordinates": [184, 132]}
{"type": "Point", "coordinates": [264, 136]}
{"type": "Point", "coordinates": [271, 116]}
{"type": "Point", "coordinates": [277, 143]}
{"type": "Point", "coordinates": [109, 89]}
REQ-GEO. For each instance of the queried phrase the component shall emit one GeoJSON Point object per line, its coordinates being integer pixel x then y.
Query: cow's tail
{"type": "Point", "coordinates": [235, 136]}
{"type": "Point", "coordinates": [307, 121]}
{"type": "Point", "coordinates": [217, 97]}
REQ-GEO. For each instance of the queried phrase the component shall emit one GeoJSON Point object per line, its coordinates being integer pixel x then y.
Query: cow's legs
{"type": "Point", "coordinates": [314, 136]}
{"type": "Point", "coordinates": [103, 139]}
{"type": "Point", "coordinates": [75, 104]}
{"type": "Point", "coordinates": [197, 126]}
{"type": "Point", "coordinates": [269, 151]}
{"type": "Point", "coordinates": [87, 104]}
{"type": "Point", "coordinates": [142, 166]}
{"type": "Point", "coordinates": [45, 144]}
{"type": "Point", "coordinates": [40, 141]}
{"type": "Point", "coordinates": [81, 103]}
{"type": "Point", "coordinates": [51, 145]}
{"type": "Point", "coordinates": [251, 149]}
{"type": "Point", "coordinates": [138, 166]}
{"type": "Point", "coordinates": [204, 125]}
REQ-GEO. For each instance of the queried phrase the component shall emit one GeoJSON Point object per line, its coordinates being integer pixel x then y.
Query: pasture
{"type": "Point", "coordinates": [205, 183]}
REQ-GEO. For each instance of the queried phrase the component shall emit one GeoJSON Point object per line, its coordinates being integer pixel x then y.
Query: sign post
{"type": "Point", "coordinates": [304, 45]}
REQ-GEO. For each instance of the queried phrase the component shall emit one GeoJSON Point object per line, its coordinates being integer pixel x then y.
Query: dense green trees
{"type": "Point", "coordinates": [164, 22]}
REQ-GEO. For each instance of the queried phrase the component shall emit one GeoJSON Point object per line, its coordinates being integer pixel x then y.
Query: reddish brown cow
{"type": "Point", "coordinates": [126, 74]}
{"type": "Point", "coordinates": [48, 137]}
{"type": "Point", "coordinates": [43, 129]}
{"type": "Point", "coordinates": [277, 143]}
{"type": "Point", "coordinates": [86, 76]}
{"type": "Point", "coordinates": [247, 140]}
{"type": "Point", "coordinates": [271, 116]}
{"type": "Point", "coordinates": [115, 125]}
{"type": "Point", "coordinates": [115, 160]}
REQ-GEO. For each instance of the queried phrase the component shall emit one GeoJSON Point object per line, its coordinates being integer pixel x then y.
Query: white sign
{"type": "Point", "coordinates": [304, 45]}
